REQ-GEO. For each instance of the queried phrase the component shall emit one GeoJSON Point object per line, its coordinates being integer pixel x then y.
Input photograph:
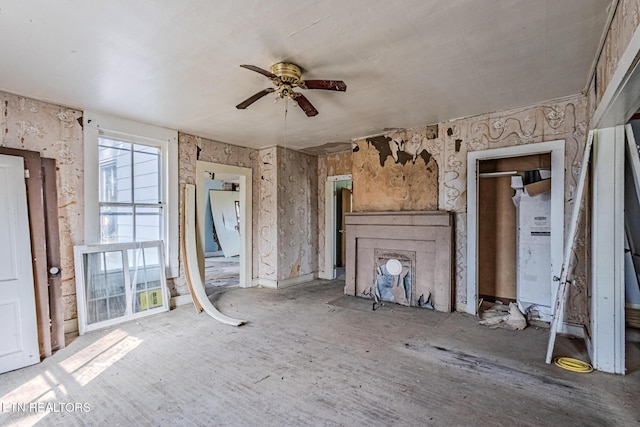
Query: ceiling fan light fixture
{"type": "Point", "coordinates": [286, 76]}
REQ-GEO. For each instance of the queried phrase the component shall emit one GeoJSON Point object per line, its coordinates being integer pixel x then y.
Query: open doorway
{"type": "Point", "coordinates": [221, 231]}
{"type": "Point", "coordinates": [514, 234]}
{"type": "Point", "coordinates": [484, 269]}
{"type": "Point", "coordinates": [337, 203]}
{"type": "Point", "coordinates": [343, 197]}
{"type": "Point", "coordinates": [223, 218]}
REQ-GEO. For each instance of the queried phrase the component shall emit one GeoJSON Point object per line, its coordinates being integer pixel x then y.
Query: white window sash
{"type": "Point", "coordinates": [96, 125]}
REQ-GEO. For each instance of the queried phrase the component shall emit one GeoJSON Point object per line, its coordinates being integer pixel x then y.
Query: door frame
{"type": "Point", "coordinates": [246, 223]}
{"type": "Point", "coordinates": [556, 149]}
{"type": "Point", "coordinates": [329, 269]}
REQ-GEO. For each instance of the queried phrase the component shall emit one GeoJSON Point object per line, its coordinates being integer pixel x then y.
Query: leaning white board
{"type": "Point", "coordinates": [193, 273]}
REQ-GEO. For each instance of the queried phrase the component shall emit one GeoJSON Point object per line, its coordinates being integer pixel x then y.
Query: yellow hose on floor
{"type": "Point", "coordinates": [573, 365]}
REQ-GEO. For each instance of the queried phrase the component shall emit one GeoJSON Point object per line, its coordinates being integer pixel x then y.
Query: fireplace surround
{"type": "Point", "coordinates": [418, 244]}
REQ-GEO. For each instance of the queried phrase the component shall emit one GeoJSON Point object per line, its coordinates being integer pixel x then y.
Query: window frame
{"type": "Point", "coordinates": [96, 125]}
{"type": "Point", "coordinates": [133, 204]}
{"type": "Point", "coordinates": [84, 283]}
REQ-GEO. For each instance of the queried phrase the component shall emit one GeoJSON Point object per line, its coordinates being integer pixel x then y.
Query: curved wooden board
{"type": "Point", "coordinates": [191, 261]}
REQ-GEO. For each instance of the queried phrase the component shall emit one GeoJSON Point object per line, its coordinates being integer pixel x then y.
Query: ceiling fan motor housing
{"type": "Point", "coordinates": [288, 73]}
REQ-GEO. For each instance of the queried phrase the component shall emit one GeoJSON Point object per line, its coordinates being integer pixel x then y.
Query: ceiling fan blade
{"type": "Point", "coordinates": [338, 85]}
{"type": "Point", "coordinates": [244, 104]}
{"type": "Point", "coordinates": [260, 70]}
{"type": "Point", "coordinates": [306, 106]}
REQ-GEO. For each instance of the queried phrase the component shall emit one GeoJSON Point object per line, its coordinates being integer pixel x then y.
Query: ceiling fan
{"type": "Point", "coordinates": [285, 77]}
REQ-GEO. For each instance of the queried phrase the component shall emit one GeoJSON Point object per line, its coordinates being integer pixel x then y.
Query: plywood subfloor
{"type": "Point", "coordinates": [311, 356]}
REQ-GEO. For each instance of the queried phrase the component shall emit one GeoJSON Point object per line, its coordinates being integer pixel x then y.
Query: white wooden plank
{"type": "Point", "coordinates": [191, 260]}
{"type": "Point", "coordinates": [607, 296]}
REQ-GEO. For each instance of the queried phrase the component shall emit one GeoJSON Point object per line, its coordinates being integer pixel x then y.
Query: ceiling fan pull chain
{"type": "Point", "coordinates": [286, 110]}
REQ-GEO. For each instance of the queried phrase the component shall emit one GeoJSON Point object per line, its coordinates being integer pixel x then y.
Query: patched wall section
{"type": "Point", "coordinates": [54, 132]}
{"type": "Point", "coordinates": [396, 172]}
{"type": "Point", "coordinates": [297, 214]}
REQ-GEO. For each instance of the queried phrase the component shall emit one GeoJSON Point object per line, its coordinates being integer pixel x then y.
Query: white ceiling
{"type": "Point", "coordinates": [407, 63]}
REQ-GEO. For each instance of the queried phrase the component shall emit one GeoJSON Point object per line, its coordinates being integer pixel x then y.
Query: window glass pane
{"type": "Point", "coordinates": [152, 259]}
{"type": "Point", "coordinates": [137, 269]}
{"type": "Point", "coordinates": [104, 286]}
{"type": "Point", "coordinates": [116, 224]}
{"type": "Point", "coordinates": [115, 171]}
{"type": "Point", "coordinates": [130, 174]}
{"type": "Point", "coordinates": [148, 224]}
{"type": "Point", "coordinates": [146, 170]}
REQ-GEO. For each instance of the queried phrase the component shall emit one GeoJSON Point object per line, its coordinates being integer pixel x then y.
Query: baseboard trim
{"type": "Point", "coordinates": [275, 284]}
{"type": "Point", "coordinates": [179, 300]}
{"type": "Point", "coordinates": [297, 280]}
{"type": "Point", "coordinates": [70, 326]}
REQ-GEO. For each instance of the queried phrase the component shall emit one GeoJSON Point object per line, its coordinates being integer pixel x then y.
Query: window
{"type": "Point", "coordinates": [130, 196]}
{"type": "Point", "coordinates": [119, 282]}
{"type": "Point", "coordinates": [131, 184]}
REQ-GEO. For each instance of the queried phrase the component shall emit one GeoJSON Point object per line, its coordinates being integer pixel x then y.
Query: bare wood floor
{"type": "Point", "coordinates": [311, 356]}
{"type": "Point", "coordinates": [221, 271]}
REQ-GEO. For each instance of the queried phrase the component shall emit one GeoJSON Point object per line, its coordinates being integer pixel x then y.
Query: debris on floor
{"type": "Point", "coordinates": [500, 315]}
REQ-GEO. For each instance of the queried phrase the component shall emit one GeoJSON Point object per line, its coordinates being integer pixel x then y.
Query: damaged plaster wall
{"type": "Point", "coordinates": [267, 226]}
{"type": "Point", "coordinates": [565, 118]}
{"type": "Point", "coordinates": [297, 214]}
{"type": "Point", "coordinates": [54, 132]}
{"type": "Point", "coordinates": [396, 171]}
{"type": "Point", "coordinates": [190, 150]}
{"type": "Point", "coordinates": [284, 190]}
{"type": "Point", "coordinates": [623, 26]}
{"type": "Point", "coordinates": [328, 165]}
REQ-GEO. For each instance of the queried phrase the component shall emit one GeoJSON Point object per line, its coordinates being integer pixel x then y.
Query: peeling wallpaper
{"type": "Point", "coordinates": [396, 172]}
{"type": "Point", "coordinates": [54, 132]}
{"type": "Point", "coordinates": [624, 24]}
{"type": "Point", "coordinates": [297, 214]}
{"type": "Point", "coordinates": [328, 165]}
{"type": "Point", "coordinates": [390, 186]}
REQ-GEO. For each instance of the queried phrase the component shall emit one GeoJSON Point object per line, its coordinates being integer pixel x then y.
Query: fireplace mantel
{"type": "Point", "coordinates": [423, 241]}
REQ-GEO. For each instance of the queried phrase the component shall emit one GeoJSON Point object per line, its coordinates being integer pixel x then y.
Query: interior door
{"type": "Point", "coordinates": [19, 330]}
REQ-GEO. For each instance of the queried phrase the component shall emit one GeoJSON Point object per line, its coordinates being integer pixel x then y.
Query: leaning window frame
{"type": "Point", "coordinates": [96, 125]}
{"type": "Point", "coordinates": [82, 282]}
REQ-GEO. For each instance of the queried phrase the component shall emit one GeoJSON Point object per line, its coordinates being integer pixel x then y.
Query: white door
{"type": "Point", "coordinates": [18, 327]}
